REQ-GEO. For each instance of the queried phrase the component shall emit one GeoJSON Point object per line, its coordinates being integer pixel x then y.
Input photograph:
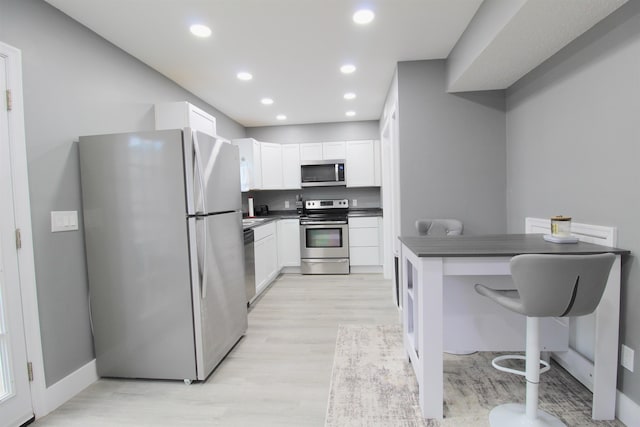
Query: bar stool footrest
{"type": "Point", "coordinates": [495, 364]}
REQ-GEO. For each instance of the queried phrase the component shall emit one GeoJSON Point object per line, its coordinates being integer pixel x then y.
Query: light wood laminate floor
{"type": "Point", "coordinates": [277, 375]}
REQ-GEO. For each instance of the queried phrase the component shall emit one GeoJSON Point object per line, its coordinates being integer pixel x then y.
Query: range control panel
{"type": "Point", "coordinates": [326, 204]}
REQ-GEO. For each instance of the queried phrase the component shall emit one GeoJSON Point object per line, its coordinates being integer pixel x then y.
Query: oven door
{"type": "Point", "coordinates": [324, 239]}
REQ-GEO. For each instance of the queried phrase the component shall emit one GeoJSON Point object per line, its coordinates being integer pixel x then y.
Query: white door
{"type": "Point", "coordinates": [15, 396]}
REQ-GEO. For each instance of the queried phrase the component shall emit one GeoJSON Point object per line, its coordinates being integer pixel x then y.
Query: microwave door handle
{"type": "Point", "coordinates": [336, 168]}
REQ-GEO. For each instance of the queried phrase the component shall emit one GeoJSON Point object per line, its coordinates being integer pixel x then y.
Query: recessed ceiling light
{"type": "Point", "coordinates": [244, 75]}
{"type": "Point", "coordinates": [200, 30]}
{"type": "Point", "coordinates": [349, 95]}
{"type": "Point", "coordinates": [348, 68]}
{"type": "Point", "coordinates": [281, 117]}
{"type": "Point", "coordinates": [350, 113]}
{"type": "Point", "coordinates": [267, 101]}
{"type": "Point", "coordinates": [363, 16]}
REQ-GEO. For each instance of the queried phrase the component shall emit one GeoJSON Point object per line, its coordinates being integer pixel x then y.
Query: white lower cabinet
{"type": "Point", "coordinates": [289, 243]}
{"type": "Point", "coordinates": [266, 255]}
{"type": "Point", "coordinates": [365, 241]}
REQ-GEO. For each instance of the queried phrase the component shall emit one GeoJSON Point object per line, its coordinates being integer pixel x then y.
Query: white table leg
{"type": "Point", "coordinates": [605, 363]}
{"type": "Point", "coordinates": [430, 346]}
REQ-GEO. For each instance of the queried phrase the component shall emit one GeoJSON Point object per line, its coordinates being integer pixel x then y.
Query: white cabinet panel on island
{"type": "Point", "coordinates": [178, 115]}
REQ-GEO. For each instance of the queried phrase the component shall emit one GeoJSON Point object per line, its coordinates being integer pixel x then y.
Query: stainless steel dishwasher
{"type": "Point", "coordinates": [249, 265]}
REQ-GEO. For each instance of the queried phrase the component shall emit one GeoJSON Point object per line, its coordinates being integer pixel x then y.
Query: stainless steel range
{"type": "Point", "coordinates": [324, 237]}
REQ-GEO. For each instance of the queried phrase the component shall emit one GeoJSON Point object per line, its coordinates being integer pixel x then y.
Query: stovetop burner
{"type": "Point", "coordinates": [325, 209]}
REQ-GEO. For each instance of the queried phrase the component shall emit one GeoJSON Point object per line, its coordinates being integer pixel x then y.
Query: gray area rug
{"type": "Point", "coordinates": [372, 384]}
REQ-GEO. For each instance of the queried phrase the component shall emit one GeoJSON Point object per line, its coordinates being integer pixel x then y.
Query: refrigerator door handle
{"type": "Point", "coordinates": [203, 266]}
{"type": "Point", "coordinates": [198, 167]}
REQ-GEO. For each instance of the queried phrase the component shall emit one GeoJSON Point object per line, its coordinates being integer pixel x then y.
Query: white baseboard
{"type": "Point", "coordinates": [68, 387]}
{"type": "Point", "coordinates": [627, 410]}
{"type": "Point", "coordinates": [375, 269]}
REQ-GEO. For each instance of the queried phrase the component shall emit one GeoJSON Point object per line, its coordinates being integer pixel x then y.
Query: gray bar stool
{"type": "Point", "coordinates": [547, 286]}
{"type": "Point", "coordinates": [439, 227]}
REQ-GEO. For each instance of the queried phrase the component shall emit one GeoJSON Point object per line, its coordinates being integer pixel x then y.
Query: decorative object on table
{"type": "Point", "coordinates": [546, 286]}
{"type": "Point", "coordinates": [561, 226]}
{"type": "Point", "coordinates": [560, 230]}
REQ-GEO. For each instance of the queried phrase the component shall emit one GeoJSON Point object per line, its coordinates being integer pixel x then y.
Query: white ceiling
{"type": "Point", "coordinates": [293, 48]}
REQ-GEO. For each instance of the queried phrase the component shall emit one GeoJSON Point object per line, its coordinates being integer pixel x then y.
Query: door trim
{"type": "Point", "coordinates": [22, 208]}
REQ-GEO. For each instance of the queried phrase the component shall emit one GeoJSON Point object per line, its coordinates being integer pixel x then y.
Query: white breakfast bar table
{"type": "Point", "coordinates": [428, 263]}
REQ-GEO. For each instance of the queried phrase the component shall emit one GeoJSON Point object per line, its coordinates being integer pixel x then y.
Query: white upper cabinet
{"type": "Point", "coordinates": [291, 166]}
{"type": "Point", "coordinates": [250, 163]}
{"type": "Point", "coordinates": [333, 150]}
{"type": "Point", "coordinates": [271, 166]}
{"type": "Point", "coordinates": [311, 151]}
{"type": "Point", "coordinates": [360, 167]}
{"type": "Point", "coordinates": [178, 115]}
{"type": "Point", "coordinates": [322, 151]}
{"type": "Point", "coordinates": [377, 163]}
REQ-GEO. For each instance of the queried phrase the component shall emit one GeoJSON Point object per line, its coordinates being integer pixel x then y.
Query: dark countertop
{"type": "Point", "coordinates": [357, 212]}
{"type": "Point", "coordinates": [293, 214]}
{"type": "Point", "coordinates": [498, 245]}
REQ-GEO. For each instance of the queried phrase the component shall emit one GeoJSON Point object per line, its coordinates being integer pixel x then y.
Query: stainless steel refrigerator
{"type": "Point", "coordinates": [163, 234]}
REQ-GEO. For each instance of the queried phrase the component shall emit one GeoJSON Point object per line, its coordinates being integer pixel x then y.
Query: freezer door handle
{"type": "Point", "coordinates": [198, 167]}
{"type": "Point", "coordinates": [203, 265]}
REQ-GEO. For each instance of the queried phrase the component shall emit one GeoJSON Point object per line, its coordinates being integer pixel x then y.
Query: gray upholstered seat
{"type": "Point", "coordinates": [439, 227]}
{"type": "Point", "coordinates": [547, 286]}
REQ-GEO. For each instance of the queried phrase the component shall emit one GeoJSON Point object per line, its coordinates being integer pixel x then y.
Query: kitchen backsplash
{"type": "Point", "coordinates": [366, 197]}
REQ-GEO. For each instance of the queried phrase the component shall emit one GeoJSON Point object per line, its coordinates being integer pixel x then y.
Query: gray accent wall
{"type": "Point", "coordinates": [573, 147]}
{"type": "Point", "coordinates": [452, 151]}
{"type": "Point", "coordinates": [75, 83]}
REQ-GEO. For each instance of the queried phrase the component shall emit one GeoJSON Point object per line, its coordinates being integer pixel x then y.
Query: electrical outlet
{"type": "Point", "coordinates": [286, 204]}
{"type": "Point", "coordinates": [354, 203]}
{"type": "Point", "coordinates": [626, 357]}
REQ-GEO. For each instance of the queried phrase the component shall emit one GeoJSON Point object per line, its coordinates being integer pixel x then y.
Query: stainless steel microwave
{"type": "Point", "coordinates": [322, 173]}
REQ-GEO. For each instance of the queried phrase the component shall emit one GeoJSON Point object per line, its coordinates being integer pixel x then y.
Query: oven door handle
{"type": "Point", "coordinates": [323, 222]}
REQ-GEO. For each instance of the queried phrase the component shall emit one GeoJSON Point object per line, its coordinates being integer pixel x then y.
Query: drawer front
{"type": "Point", "coordinates": [364, 256]}
{"type": "Point", "coordinates": [363, 237]}
{"type": "Point", "coordinates": [262, 231]}
{"type": "Point", "coordinates": [363, 222]}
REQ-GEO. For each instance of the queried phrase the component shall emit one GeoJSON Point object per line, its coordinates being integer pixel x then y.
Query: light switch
{"type": "Point", "coordinates": [64, 221]}
{"type": "Point", "coordinates": [626, 357]}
